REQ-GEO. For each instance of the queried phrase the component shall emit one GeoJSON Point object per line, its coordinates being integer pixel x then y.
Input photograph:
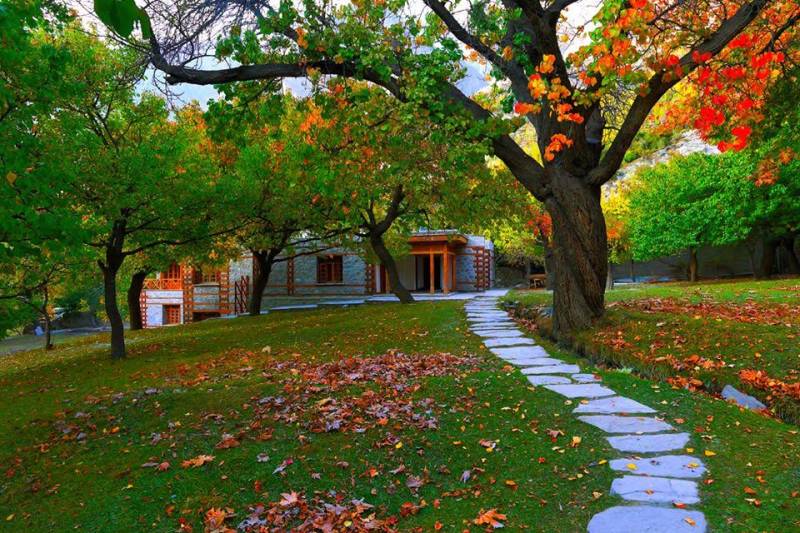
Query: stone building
{"type": "Point", "coordinates": [438, 262]}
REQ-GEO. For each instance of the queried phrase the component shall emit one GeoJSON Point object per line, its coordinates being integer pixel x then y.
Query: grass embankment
{"type": "Point", "coordinates": [754, 459]}
{"type": "Point", "coordinates": [282, 408]}
{"type": "Point", "coordinates": [703, 336]}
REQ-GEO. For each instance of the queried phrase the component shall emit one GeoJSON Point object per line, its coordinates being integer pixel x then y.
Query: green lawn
{"type": "Point", "coordinates": [183, 388]}
{"type": "Point", "coordinates": [209, 378]}
{"type": "Point", "coordinates": [742, 333]}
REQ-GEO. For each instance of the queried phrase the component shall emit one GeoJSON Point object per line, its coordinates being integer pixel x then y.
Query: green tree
{"type": "Point", "coordinates": [627, 65]}
{"type": "Point", "coordinates": [683, 205]}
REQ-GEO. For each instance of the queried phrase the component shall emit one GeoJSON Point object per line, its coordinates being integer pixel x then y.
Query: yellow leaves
{"type": "Point", "coordinates": [215, 520]}
{"type": "Point", "coordinates": [490, 518]}
{"type": "Point", "coordinates": [11, 177]}
{"type": "Point", "coordinates": [537, 86]}
{"type": "Point", "coordinates": [690, 521]}
{"type": "Point", "coordinates": [632, 466]}
{"type": "Point", "coordinates": [301, 38]}
{"type": "Point", "coordinates": [511, 484]}
{"type": "Point", "coordinates": [546, 66]}
{"type": "Point", "coordinates": [575, 441]}
{"type": "Point", "coordinates": [198, 461]}
{"type": "Point", "coordinates": [709, 453]}
{"type": "Point", "coordinates": [507, 53]}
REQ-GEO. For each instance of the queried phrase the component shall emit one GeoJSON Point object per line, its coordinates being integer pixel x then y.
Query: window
{"type": "Point", "coordinates": [329, 269]}
{"type": "Point", "coordinates": [205, 277]}
{"type": "Point", "coordinates": [172, 314]}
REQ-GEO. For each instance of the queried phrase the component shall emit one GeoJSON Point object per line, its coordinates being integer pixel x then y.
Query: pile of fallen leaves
{"type": "Point", "coordinates": [296, 513]}
{"type": "Point", "coordinates": [777, 388]}
{"type": "Point", "coordinates": [390, 381]}
{"type": "Point", "coordinates": [749, 311]}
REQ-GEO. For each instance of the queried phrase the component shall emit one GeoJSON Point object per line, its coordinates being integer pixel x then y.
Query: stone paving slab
{"type": "Point", "coordinates": [591, 390]}
{"type": "Point", "coordinates": [530, 361]}
{"type": "Point", "coordinates": [663, 465]}
{"type": "Point", "coordinates": [586, 378]}
{"type": "Point", "coordinates": [491, 323]}
{"type": "Point", "coordinates": [647, 519]}
{"type": "Point", "coordinates": [299, 307]}
{"type": "Point", "coordinates": [520, 351]}
{"type": "Point", "coordinates": [655, 489]}
{"type": "Point", "coordinates": [649, 443]}
{"type": "Point", "coordinates": [626, 424]}
{"type": "Point", "coordinates": [550, 369]}
{"type": "Point", "coordinates": [548, 379]}
{"type": "Point", "coordinates": [508, 341]}
{"type": "Point", "coordinates": [492, 327]}
{"type": "Point", "coordinates": [617, 404]}
{"type": "Point", "coordinates": [499, 333]}
{"type": "Point", "coordinates": [535, 361]}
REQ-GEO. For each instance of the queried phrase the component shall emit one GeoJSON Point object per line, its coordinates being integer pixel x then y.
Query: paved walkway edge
{"type": "Point", "coordinates": [657, 484]}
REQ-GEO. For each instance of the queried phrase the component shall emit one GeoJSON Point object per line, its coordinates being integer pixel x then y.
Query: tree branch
{"type": "Point", "coordinates": [658, 87]}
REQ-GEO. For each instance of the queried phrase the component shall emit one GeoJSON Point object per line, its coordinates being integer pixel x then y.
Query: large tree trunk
{"type": "Point", "coordinates": [794, 263]}
{"type": "Point", "coordinates": [134, 302]}
{"type": "Point", "coordinates": [692, 272]}
{"type": "Point", "coordinates": [379, 247]}
{"type": "Point", "coordinates": [609, 278]}
{"type": "Point", "coordinates": [549, 268]}
{"type": "Point", "coordinates": [264, 261]}
{"type": "Point", "coordinates": [768, 249]}
{"type": "Point", "coordinates": [580, 253]}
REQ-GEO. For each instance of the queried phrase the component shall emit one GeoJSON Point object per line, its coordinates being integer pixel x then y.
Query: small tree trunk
{"type": "Point", "coordinates": [768, 249]}
{"type": "Point", "coordinates": [264, 260]}
{"type": "Point", "coordinates": [549, 270]}
{"type": "Point", "coordinates": [134, 299]}
{"type": "Point", "coordinates": [633, 271]}
{"type": "Point", "coordinates": [379, 247]}
{"type": "Point", "coordinates": [110, 268]}
{"type": "Point", "coordinates": [48, 325]}
{"type": "Point", "coordinates": [609, 279]}
{"type": "Point", "coordinates": [580, 253]}
{"type": "Point", "coordinates": [693, 264]}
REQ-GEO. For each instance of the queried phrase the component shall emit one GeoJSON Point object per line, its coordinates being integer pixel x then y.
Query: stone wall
{"type": "Point", "coordinates": [154, 302]}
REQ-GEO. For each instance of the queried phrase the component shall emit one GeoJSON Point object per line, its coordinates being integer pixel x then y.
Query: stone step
{"type": "Point", "coordinates": [548, 379]}
{"type": "Point", "coordinates": [520, 351]}
{"type": "Point", "coordinates": [535, 361]}
{"type": "Point", "coordinates": [649, 443]}
{"type": "Point", "coordinates": [626, 424]}
{"type": "Point", "coordinates": [664, 465]}
{"type": "Point", "coordinates": [655, 489]}
{"type": "Point", "coordinates": [499, 333]}
{"type": "Point", "coordinates": [508, 341]}
{"type": "Point", "coordinates": [647, 519]}
{"type": "Point", "coordinates": [550, 369]}
{"type": "Point", "coordinates": [591, 390]}
{"type": "Point", "coordinates": [586, 378]}
{"type": "Point", "coordinates": [616, 404]}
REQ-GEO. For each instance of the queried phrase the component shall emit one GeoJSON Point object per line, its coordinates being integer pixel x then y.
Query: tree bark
{"type": "Point", "coordinates": [264, 259]}
{"type": "Point", "coordinates": [794, 263]}
{"type": "Point", "coordinates": [379, 247]}
{"type": "Point", "coordinates": [48, 325]}
{"type": "Point", "coordinates": [580, 253]}
{"type": "Point", "coordinates": [768, 249]}
{"type": "Point", "coordinates": [609, 278]}
{"type": "Point", "coordinates": [134, 302]}
{"type": "Point", "coordinates": [549, 269]}
{"type": "Point", "coordinates": [110, 268]}
{"type": "Point", "coordinates": [692, 264]}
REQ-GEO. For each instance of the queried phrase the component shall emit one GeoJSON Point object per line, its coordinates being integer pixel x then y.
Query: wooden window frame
{"type": "Point", "coordinates": [166, 308]}
{"type": "Point", "coordinates": [330, 269]}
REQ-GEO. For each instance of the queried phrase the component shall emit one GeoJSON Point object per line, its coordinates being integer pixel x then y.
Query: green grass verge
{"type": "Point", "coordinates": [207, 377]}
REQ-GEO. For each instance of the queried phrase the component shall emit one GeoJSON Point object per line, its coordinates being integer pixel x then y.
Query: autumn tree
{"type": "Point", "coordinates": [380, 190]}
{"type": "Point", "coordinates": [586, 101]}
{"type": "Point", "coordinates": [133, 178]}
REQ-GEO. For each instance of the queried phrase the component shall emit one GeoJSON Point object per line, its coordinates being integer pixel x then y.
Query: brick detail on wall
{"type": "Point", "coordinates": [369, 279]}
{"type": "Point", "coordinates": [224, 291]}
{"type": "Point", "coordinates": [143, 307]}
{"type": "Point", "coordinates": [188, 294]}
{"type": "Point", "coordinates": [483, 264]}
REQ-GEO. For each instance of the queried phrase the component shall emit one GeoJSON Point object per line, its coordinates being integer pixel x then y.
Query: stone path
{"type": "Point", "coordinates": [657, 487]}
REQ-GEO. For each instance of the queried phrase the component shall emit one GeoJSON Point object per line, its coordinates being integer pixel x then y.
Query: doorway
{"type": "Point", "coordinates": [423, 277]}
